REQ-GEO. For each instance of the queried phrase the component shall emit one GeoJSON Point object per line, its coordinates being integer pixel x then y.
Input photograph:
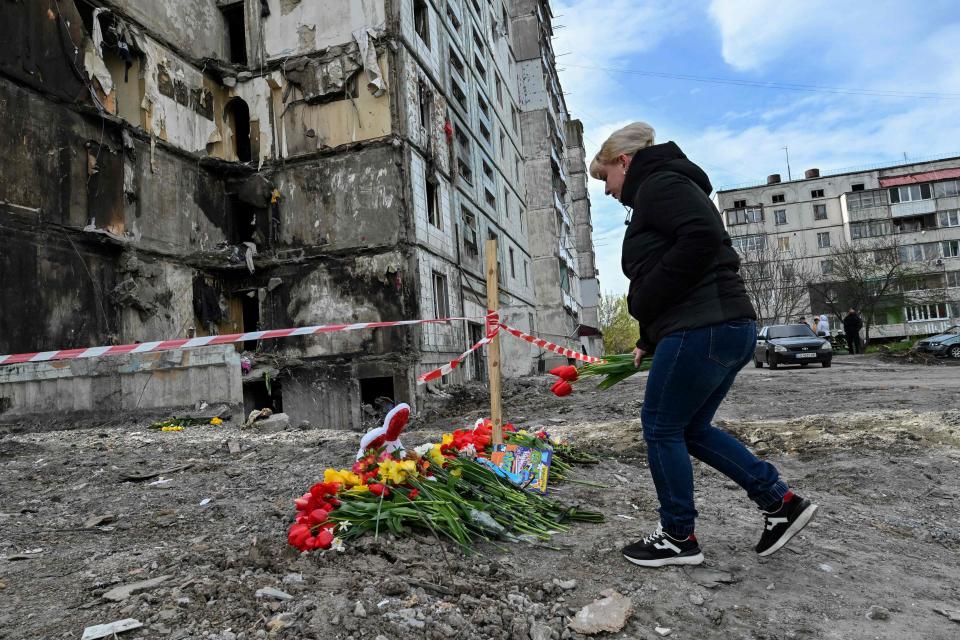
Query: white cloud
{"type": "Point", "coordinates": [883, 45]}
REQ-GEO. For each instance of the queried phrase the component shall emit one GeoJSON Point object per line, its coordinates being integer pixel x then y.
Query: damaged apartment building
{"type": "Point", "coordinates": [188, 167]}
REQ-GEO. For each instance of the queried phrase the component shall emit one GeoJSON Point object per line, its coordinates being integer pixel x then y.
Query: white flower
{"type": "Point", "coordinates": [337, 545]}
{"type": "Point", "coordinates": [423, 449]}
{"type": "Point", "coordinates": [343, 526]}
{"type": "Point", "coordinates": [469, 451]}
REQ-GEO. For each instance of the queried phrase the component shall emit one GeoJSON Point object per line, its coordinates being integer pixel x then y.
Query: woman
{"type": "Point", "coordinates": [823, 327]}
{"type": "Point", "coordinates": [697, 321]}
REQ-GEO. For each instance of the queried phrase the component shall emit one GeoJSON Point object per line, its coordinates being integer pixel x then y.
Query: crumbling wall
{"type": "Point", "coordinates": [350, 199]}
{"type": "Point", "coordinates": [328, 101]}
{"type": "Point", "coordinates": [41, 47]}
{"type": "Point", "coordinates": [317, 24]}
{"type": "Point", "coordinates": [53, 287]}
{"type": "Point", "coordinates": [345, 289]}
{"type": "Point", "coordinates": [196, 27]}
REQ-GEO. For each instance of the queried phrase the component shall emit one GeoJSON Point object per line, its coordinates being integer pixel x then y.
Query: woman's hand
{"type": "Point", "coordinates": [638, 356]}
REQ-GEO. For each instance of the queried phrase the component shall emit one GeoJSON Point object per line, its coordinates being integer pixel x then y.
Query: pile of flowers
{"type": "Point", "coordinates": [614, 369]}
{"type": "Point", "coordinates": [438, 488]}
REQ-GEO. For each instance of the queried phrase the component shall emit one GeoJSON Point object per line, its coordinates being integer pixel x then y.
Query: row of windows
{"type": "Point", "coordinates": [755, 214]}
{"type": "Point", "coordinates": [876, 228]}
{"type": "Point", "coordinates": [877, 198]}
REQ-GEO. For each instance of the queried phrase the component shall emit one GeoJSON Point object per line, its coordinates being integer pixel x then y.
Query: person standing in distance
{"type": "Point", "coordinates": [700, 327]}
{"type": "Point", "coordinates": [852, 323]}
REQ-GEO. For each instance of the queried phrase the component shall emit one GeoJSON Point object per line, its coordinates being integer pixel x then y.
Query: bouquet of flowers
{"type": "Point", "coordinates": [614, 369]}
{"type": "Point", "coordinates": [437, 487]}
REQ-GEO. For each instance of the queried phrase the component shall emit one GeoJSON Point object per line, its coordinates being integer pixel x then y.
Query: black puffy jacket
{"type": "Point", "coordinates": [683, 269]}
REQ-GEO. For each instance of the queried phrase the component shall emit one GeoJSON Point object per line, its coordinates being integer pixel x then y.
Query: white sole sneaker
{"type": "Point", "coordinates": [802, 520]}
{"type": "Point", "coordinates": [664, 562]}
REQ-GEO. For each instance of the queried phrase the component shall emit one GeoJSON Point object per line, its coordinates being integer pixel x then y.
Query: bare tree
{"type": "Point", "coordinates": [776, 282]}
{"type": "Point", "coordinates": [873, 275]}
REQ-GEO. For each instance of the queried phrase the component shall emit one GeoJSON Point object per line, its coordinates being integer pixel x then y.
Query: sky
{"type": "Point", "coordinates": [887, 73]}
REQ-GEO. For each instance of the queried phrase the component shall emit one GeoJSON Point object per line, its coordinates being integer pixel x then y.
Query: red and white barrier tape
{"type": "Point", "coordinates": [493, 328]}
{"type": "Point", "coordinates": [543, 344]}
{"type": "Point", "coordinates": [186, 343]}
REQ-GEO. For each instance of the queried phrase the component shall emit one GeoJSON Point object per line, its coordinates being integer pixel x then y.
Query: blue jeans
{"type": "Point", "coordinates": [692, 372]}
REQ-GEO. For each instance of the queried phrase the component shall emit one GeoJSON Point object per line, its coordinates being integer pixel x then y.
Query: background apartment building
{"type": "Point", "coordinates": [224, 166]}
{"type": "Point", "coordinates": [555, 177]}
{"type": "Point", "coordinates": [806, 226]}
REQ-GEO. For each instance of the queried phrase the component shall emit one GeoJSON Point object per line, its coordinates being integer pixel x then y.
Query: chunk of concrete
{"type": "Point", "coordinates": [274, 424]}
{"type": "Point", "coordinates": [110, 629]}
{"type": "Point", "coordinates": [609, 614]}
{"type": "Point", "coordinates": [118, 594]}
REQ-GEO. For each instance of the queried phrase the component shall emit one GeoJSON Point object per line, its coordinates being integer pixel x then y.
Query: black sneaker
{"type": "Point", "coordinates": [662, 549]}
{"type": "Point", "coordinates": [784, 523]}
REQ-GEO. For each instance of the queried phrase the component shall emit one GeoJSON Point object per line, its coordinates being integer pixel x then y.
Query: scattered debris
{"type": "Point", "coordinates": [257, 414]}
{"type": "Point", "coordinates": [274, 594]}
{"type": "Point", "coordinates": [109, 629]}
{"type": "Point", "coordinates": [663, 631]}
{"type": "Point", "coordinates": [118, 594]}
{"type": "Point", "coordinates": [97, 521]}
{"type": "Point", "coordinates": [952, 614]}
{"type": "Point", "coordinates": [878, 613]}
{"type": "Point", "coordinates": [607, 614]}
{"type": "Point", "coordinates": [566, 585]}
{"type": "Point", "coordinates": [147, 475]}
{"type": "Point", "coordinates": [696, 598]}
{"type": "Point", "coordinates": [710, 578]}
{"type": "Point", "coordinates": [274, 424]}
{"type": "Point", "coordinates": [29, 554]}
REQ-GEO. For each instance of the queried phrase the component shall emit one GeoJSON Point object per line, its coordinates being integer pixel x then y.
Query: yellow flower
{"type": "Point", "coordinates": [216, 421]}
{"type": "Point", "coordinates": [360, 488]}
{"type": "Point", "coordinates": [170, 428]}
{"type": "Point", "coordinates": [396, 472]}
{"type": "Point", "coordinates": [344, 477]}
{"type": "Point", "coordinates": [456, 473]}
{"type": "Point", "coordinates": [435, 456]}
{"type": "Point", "coordinates": [447, 439]}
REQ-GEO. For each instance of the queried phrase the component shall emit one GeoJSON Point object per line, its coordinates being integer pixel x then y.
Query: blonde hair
{"type": "Point", "coordinates": [625, 141]}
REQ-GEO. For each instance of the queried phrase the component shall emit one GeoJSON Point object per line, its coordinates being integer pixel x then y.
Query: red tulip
{"type": "Point", "coordinates": [378, 489]}
{"type": "Point", "coordinates": [318, 516]}
{"type": "Point", "coordinates": [566, 372]}
{"type": "Point", "coordinates": [561, 388]}
{"type": "Point", "coordinates": [302, 502]}
{"type": "Point", "coordinates": [323, 540]}
{"type": "Point", "coordinates": [413, 494]}
{"type": "Point", "coordinates": [298, 533]}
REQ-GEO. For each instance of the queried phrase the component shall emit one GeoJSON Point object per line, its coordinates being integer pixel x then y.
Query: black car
{"type": "Point", "coordinates": [791, 344]}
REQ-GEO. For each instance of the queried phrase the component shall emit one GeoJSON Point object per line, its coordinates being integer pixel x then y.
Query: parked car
{"type": "Point", "coordinates": [791, 344]}
{"type": "Point", "coordinates": [943, 345]}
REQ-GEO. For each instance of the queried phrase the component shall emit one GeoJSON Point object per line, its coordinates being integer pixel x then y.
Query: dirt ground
{"type": "Point", "coordinates": [877, 445]}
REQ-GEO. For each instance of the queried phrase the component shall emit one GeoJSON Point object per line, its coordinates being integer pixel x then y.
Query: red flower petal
{"type": "Point", "coordinates": [323, 540]}
{"type": "Point", "coordinates": [561, 388]}
{"type": "Point", "coordinates": [318, 516]}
